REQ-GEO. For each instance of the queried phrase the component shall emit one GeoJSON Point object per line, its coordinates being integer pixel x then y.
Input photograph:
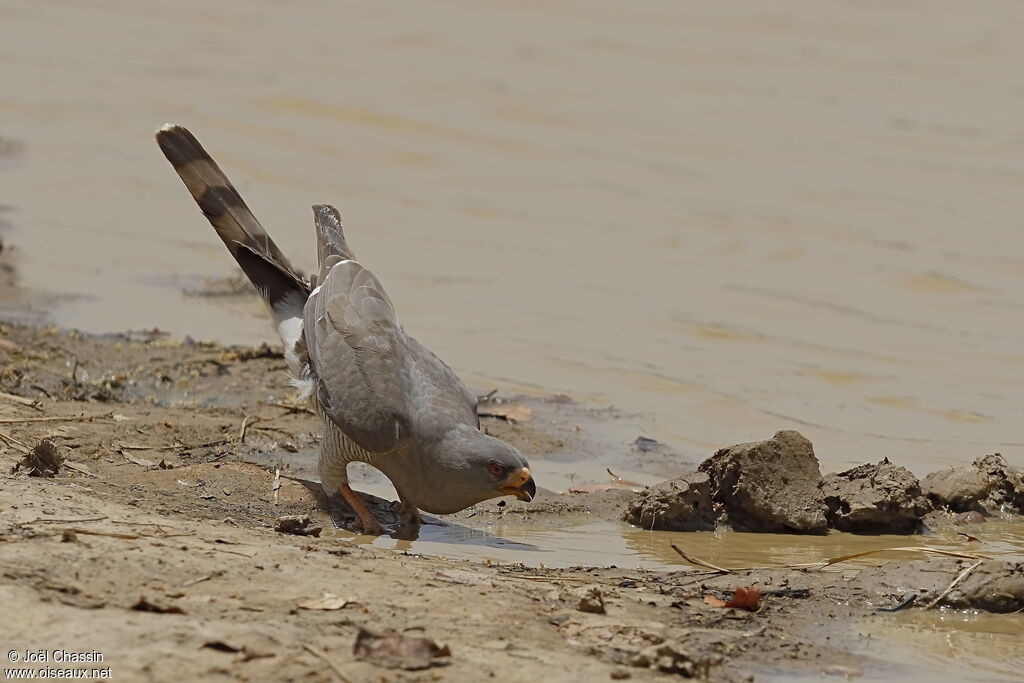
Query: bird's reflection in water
{"type": "Point", "coordinates": [432, 534]}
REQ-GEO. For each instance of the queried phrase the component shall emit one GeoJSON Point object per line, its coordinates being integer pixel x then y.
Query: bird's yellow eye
{"type": "Point", "coordinates": [496, 469]}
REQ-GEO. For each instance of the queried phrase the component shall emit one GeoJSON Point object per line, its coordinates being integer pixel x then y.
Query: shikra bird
{"type": "Point", "coordinates": [385, 399]}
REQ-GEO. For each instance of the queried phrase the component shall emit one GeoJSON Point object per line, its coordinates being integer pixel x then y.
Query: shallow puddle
{"type": "Point", "coordinates": [605, 543]}
{"type": "Point", "coordinates": [943, 644]}
{"type": "Point", "coordinates": [552, 541]}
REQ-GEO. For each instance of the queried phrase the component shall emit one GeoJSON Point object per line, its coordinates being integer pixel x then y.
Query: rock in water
{"type": "Point", "coordinates": [988, 485]}
{"type": "Point", "coordinates": [993, 585]}
{"type": "Point", "coordinates": [682, 504]}
{"type": "Point", "coordinates": [882, 498]}
{"type": "Point", "coordinates": [769, 485]}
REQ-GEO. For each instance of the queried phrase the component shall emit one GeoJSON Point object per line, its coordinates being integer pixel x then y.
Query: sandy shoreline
{"type": "Point", "coordinates": [705, 223]}
{"type": "Point", "coordinates": [157, 511]}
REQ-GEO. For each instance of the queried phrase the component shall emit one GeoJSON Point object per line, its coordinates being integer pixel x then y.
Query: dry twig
{"type": "Point", "coordinates": [960, 577]}
{"type": "Point", "coordinates": [44, 520]}
{"type": "Point", "coordinates": [829, 562]}
{"type": "Point", "coordinates": [20, 400]}
{"type": "Point", "coordinates": [14, 442]}
{"type": "Point", "coordinates": [700, 563]}
{"type": "Point", "coordinates": [110, 534]}
{"type": "Point", "coordinates": [54, 418]}
{"type": "Point", "coordinates": [292, 407]}
{"type": "Point", "coordinates": [231, 552]}
{"type": "Point", "coordinates": [249, 420]}
{"type": "Point", "coordinates": [328, 661]}
{"type": "Point", "coordinates": [80, 468]}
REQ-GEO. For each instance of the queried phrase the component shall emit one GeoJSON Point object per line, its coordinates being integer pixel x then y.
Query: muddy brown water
{"type": "Point", "coordinates": [949, 644]}
{"type": "Point", "coordinates": [725, 219]}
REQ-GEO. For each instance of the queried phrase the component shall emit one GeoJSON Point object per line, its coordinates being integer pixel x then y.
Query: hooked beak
{"type": "Point", "coordinates": [520, 484]}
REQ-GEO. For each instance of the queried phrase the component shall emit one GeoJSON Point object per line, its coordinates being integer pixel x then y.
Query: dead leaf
{"type": "Point", "coordinates": [144, 605]}
{"type": "Point", "coordinates": [327, 601]}
{"type": "Point", "coordinates": [512, 412]}
{"type": "Point", "coordinates": [742, 598]}
{"type": "Point", "coordinates": [221, 646]}
{"type": "Point", "coordinates": [393, 650]}
{"type": "Point", "coordinates": [45, 460]}
{"type": "Point", "coordinates": [970, 539]}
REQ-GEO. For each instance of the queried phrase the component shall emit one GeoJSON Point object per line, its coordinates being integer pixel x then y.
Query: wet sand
{"type": "Point", "coordinates": [164, 502]}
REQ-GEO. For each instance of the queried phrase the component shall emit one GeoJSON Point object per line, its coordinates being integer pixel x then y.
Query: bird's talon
{"type": "Point", "coordinates": [368, 528]}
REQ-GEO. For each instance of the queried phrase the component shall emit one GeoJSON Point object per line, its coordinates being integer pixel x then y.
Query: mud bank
{"type": "Point", "coordinates": [776, 485]}
{"type": "Point", "coordinates": [156, 536]}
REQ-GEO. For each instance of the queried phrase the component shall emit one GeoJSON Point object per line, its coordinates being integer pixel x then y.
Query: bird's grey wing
{"type": "Point", "coordinates": [377, 384]}
{"type": "Point", "coordinates": [448, 396]}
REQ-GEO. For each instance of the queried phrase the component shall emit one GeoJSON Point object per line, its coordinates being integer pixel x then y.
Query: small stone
{"type": "Point", "coordinates": [969, 517]}
{"type": "Point", "coordinates": [591, 601]}
{"type": "Point", "coordinates": [646, 445]}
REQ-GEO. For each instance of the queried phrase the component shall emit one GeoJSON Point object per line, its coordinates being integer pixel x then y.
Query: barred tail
{"type": "Point", "coordinates": [280, 285]}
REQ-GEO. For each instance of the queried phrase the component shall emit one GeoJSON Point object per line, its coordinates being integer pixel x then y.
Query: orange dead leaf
{"type": "Point", "coordinates": [743, 598]}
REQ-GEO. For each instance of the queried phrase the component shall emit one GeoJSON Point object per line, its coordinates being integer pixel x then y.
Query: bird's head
{"type": "Point", "coordinates": [473, 467]}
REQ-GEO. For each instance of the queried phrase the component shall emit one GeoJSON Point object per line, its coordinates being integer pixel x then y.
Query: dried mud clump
{"type": "Point", "coordinates": [394, 650]}
{"type": "Point", "coordinates": [994, 587]}
{"type": "Point", "coordinates": [990, 585]}
{"type": "Point", "coordinates": [988, 485]}
{"type": "Point", "coordinates": [882, 498]}
{"type": "Point", "coordinates": [771, 486]}
{"type": "Point", "coordinates": [299, 525]}
{"type": "Point", "coordinates": [682, 504]}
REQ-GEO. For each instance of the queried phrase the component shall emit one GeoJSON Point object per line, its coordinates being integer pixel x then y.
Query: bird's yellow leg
{"type": "Point", "coordinates": [367, 522]}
